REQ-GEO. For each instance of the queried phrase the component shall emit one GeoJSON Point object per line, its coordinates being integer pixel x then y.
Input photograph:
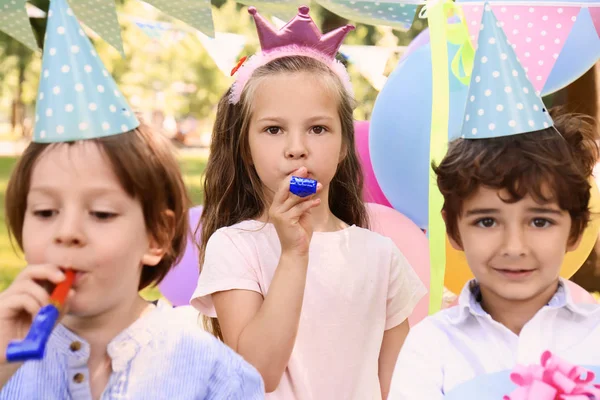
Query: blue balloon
{"type": "Point", "coordinates": [580, 52]}
{"type": "Point", "coordinates": [400, 129]}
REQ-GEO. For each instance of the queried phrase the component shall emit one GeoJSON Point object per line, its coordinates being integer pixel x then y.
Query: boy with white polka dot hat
{"type": "Point", "coordinates": [516, 199]}
{"type": "Point", "coordinates": [102, 196]}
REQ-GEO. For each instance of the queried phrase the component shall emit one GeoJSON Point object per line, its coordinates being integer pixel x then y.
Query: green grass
{"type": "Point", "coordinates": [11, 261]}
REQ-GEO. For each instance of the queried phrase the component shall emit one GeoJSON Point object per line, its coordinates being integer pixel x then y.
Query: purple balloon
{"type": "Point", "coordinates": [420, 40]}
{"type": "Point", "coordinates": [180, 283]}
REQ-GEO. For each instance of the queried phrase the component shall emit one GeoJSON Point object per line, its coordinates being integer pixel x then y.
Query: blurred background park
{"type": "Point", "coordinates": [174, 75]}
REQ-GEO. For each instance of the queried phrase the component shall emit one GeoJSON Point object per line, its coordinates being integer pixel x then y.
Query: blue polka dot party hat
{"type": "Point", "coordinates": [501, 100]}
{"type": "Point", "coordinates": [77, 97]}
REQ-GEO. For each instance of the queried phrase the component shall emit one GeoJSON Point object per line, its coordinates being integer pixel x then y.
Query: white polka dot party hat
{"type": "Point", "coordinates": [501, 101]}
{"type": "Point", "coordinates": [77, 97]}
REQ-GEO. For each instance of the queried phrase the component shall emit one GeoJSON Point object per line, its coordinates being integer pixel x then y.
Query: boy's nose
{"type": "Point", "coordinates": [515, 243]}
{"type": "Point", "coordinates": [69, 231]}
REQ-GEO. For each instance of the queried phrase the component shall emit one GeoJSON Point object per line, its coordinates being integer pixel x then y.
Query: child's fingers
{"type": "Point", "coordinates": [293, 200]}
{"type": "Point", "coordinates": [283, 194]}
{"type": "Point", "coordinates": [32, 289]}
{"type": "Point", "coordinates": [42, 272]}
{"type": "Point", "coordinates": [300, 209]}
{"type": "Point", "coordinates": [22, 302]}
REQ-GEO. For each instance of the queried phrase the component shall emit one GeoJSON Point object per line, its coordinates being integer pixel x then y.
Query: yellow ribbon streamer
{"type": "Point", "coordinates": [459, 34]}
{"type": "Point", "coordinates": [440, 32]}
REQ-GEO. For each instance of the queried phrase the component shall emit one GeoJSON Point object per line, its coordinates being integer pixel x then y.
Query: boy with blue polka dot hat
{"type": "Point", "coordinates": [516, 199]}
{"type": "Point", "coordinates": [101, 196]}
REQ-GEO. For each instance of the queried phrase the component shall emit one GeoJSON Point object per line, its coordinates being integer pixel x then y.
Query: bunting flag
{"type": "Point", "coordinates": [398, 15]}
{"type": "Point", "coordinates": [195, 13]}
{"type": "Point", "coordinates": [15, 22]}
{"type": "Point", "coordinates": [278, 23]}
{"type": "Point", "coordinates": [224, 49]}
{"type": "Point", "coordinates": [34, 12]}
{"type": "Point", "coordinates": [595, 13]}
{"type": "Point", "coordinates": [101, 17]}
{"type": "Point", "coordinates": [537, 33]}
{"type": "Point", "coordinates": [164, 33]}
{"type": "Point", "coordinates": [370, 61]}
{"type": "Point", "coordinates": [283, 9]}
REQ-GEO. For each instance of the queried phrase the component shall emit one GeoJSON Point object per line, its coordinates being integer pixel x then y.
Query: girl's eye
{"type": "Point", "coordinates": [318, 129]}
{"type": "Point", "coordinates": [485, 222]}
{"type": "Point", "coordinates": [541, 223]}
{"type": "Point", "coordinates": [45, 213]}
{"type": "Point", "coordinates": [103, 215]}
{"type": "Point", "coordinates": [273, 130]}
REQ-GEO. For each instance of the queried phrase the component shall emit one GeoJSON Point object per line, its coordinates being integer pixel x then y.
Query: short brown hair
{"type": "Point", "coordinates": [546, 165]}
{"type": "Point", "coordinates": [147, 170]}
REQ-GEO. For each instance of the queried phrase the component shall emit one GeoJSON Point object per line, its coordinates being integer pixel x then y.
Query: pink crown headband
{"type": "Point", "coordinates": [299, 37]}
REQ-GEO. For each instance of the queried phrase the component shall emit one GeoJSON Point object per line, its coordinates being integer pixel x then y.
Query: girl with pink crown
{"type": "Point", "coordinates": [298, 285]}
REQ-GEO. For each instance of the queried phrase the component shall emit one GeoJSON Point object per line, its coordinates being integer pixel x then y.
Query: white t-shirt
{"type": "Point", "coordinates": [358, 285]}
{"type": "Point", "coordinates": [462, 342]}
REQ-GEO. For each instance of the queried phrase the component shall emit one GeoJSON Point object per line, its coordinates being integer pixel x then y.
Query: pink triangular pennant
{"type": "Point", "coordinates": [595, 13]}
{"type": "Point", "coordinates": [537, 33]}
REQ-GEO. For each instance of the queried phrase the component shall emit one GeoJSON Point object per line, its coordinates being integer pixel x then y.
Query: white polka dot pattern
{"type": "Point", "coordinates": [398, 15]}
{"type": "Point", "coordinates": [535, 32]}
{"type": "Point", "coordinates": [76, 99]}
{"type": "Point", "coordinates": [502, 101]}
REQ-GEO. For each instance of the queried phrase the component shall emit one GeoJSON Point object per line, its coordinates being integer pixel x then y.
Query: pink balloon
{"type": "Point", "coordinates": [180, 283]}
{"type": "Point", "coordinates": [578, 294]}
{"type": "Point", "coordinates": [372, 191]}
{"type": "Point", "coordinates": [411, 241]}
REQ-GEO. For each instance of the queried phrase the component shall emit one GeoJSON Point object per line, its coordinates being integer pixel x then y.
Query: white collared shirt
{"type": "Point", "coordinates": [459, 343]}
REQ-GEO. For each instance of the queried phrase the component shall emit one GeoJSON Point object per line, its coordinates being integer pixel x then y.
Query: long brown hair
{"type": "Point", "coordinates": [232, 188]}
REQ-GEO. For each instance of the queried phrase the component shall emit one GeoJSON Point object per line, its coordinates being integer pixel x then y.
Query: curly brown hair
{"type": "Point", "coordinates": [147, 169]}
{"type": "Point", "coordinates": [551, 165]}
{"type": "Point", "coordinates": [232, 188]}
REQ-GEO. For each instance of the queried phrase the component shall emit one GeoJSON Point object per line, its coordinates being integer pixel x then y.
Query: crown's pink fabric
{"type": "Point", "coordinates": [300, 36]}
{"type": "Point", "coordinates": [554, 379]}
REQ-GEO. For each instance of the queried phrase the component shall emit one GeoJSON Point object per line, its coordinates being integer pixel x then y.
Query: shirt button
{"type": "Point", "coordinates": [75, 346]}
{"type": "Point", "coordinates": [78, 378]}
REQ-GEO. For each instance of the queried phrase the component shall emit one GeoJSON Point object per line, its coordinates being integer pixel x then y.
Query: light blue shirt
{"type": "Point", "coordinates": [160, 356]}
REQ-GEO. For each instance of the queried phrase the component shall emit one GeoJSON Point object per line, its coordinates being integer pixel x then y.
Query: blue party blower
{"type": "Point", "coordinates": [303, 187]}
{"type": "Point", "coordinates": [34, 344]}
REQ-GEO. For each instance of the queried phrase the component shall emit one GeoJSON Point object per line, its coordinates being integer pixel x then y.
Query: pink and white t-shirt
{"type": "Point", "coordinates": [358, 285]}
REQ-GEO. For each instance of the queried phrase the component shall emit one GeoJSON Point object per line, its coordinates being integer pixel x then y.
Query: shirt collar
{"type": "Point", "coordinates": [469, 302]}
{"type": "Point", "coordinates": [122, 349]}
